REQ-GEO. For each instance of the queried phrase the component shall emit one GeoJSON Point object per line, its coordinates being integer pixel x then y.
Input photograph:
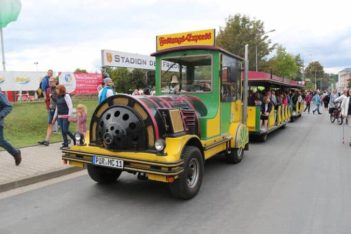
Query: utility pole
{"type": "Point", "coordinates": [2, 49]}
{"type": "Point", "coordinates": [315, 80]}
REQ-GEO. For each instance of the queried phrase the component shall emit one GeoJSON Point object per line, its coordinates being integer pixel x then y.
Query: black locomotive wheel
{"type": "Point", "coordinates": [189, 182]}
{"type": "Point", "coordinates": [103, 175]}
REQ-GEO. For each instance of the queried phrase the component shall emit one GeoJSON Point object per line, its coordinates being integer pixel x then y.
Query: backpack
{"type": "Point", "coordinates": [40, 91]}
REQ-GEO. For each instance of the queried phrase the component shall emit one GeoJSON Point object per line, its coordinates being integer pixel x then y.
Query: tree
{"type": "Point", "coordinates": [314, 71]}
{"type": "Point", "coordinates": [78, 70]}
{"type": "Point", "coordinates": [241, 30]}
{"type": "Point", "coordinates": [138, 78]}
{"type": "Point", "coordinates": [283, 64]}
{"type": "Point", "coordinates": [126, 81]}
{"type": "Point", "coordinates": [300, 64]}
{"type": "Point", "coordinates": [121, 79]}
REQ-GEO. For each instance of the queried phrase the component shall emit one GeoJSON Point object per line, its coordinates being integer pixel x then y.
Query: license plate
{"type": "Point", "coordinates": [108, 162]}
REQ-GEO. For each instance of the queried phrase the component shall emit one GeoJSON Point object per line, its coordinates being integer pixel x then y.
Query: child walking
{"type": "Point", "coordinates": [81, 119]}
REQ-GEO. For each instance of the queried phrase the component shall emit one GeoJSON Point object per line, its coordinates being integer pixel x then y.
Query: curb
{"type": "Point", "coordinates": [38, 178]}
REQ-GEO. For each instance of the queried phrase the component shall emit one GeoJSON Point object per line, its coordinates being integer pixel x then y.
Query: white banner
{"type": "Point", "coordinates": [20, 81]}
{"type": "Point", "coordinates": [110, 58]}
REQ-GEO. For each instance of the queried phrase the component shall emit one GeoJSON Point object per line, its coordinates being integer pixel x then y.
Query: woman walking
{"type": "Point", "coordinates": [308, 100]}
{"type": "Point", "coordinates": [63, 112]}
{"type": "Point", "coordinates": [346, 107]}
{"type": "Point", "coordinates": [317, 101]}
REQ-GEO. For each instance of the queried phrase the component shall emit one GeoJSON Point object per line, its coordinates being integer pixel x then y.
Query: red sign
{"type": "Point", "coordinates": [87, 83]}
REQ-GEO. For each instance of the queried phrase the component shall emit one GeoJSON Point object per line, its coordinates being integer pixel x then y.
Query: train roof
{"type": "Point", "coordinates": [198, 47]}
{"type": "Point", "coordinates": [261, 78]}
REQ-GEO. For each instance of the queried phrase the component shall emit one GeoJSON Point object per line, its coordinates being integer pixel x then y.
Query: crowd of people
{"type": "Point", "coordinates": [59, 106]}
{"type": "Point", "coordinates": [267, 99]}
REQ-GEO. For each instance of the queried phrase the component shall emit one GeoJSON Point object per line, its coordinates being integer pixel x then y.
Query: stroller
{"type": "Point", "coordinates": [335, 114]}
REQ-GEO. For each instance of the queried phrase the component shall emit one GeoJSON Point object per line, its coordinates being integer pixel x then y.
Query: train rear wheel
{"type": "Point", "coordinates": [235, 156]}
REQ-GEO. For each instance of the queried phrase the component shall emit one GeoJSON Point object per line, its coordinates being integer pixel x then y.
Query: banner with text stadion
{"type": "Point", "coordinates": [112, 58]}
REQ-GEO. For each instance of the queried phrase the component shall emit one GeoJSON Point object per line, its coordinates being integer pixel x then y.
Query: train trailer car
{"type": "Point", "coordinates": [261, 84]}
{"type": "Point", "coordinates": [197, 113]}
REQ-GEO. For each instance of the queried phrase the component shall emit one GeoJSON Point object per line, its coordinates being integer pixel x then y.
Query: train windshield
{"type": "Point", "coordinates": [186, 74]}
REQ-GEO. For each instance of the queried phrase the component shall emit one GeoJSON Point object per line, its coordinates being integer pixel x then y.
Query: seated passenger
{"type": "Point", "coordinates": [174, 85]}
{"type": "Point", "coordinates": [251, 101]}
{"type": "Point", "coordinates": [266, 108]}
{"type": "Point", "coordinates": [258, 101]}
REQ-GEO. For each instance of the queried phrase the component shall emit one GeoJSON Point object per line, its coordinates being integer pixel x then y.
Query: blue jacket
{"type": "Point", "coordinates": [5, 108]}
{"type": "Point", "coordinates": [103, 95]}
{"type": "Point", "coordinates": [316, 99]}
{"type": "Point", "coordinates": [45, 83]}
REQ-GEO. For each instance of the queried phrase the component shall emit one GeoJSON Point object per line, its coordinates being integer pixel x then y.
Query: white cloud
{"type": "Point", "coordinates": [64, 35]}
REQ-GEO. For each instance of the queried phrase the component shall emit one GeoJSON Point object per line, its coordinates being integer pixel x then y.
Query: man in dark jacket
{"type": "Point", "coordinates": [5, 109]}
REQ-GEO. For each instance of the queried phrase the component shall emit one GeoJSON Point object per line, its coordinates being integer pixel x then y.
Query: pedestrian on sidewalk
{"type": "Point", "coordinates": [63, 112]}
{"type": "Point", "coordinates": [317, 101]}
{"type": "Point", "coordinates": [51, 110]}
{"type": "Point", "coordinates": [44, 85]}
{"type": "Point", "coordinates": [5, 109]}
{"type": "Point", "coordinates": [308, 100]}
{"type": "Point", "coordinates": [81, 119]}
{"type": "Point", "coordinates": [333, 97]}
{"type": "Point", "coordinates": [107, 90]}
{"type": "Point", "coordinates": [346, 108]}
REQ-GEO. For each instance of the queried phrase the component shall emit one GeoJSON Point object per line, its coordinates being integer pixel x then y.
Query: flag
{"type": "Point", "coordinates": [9, 11]}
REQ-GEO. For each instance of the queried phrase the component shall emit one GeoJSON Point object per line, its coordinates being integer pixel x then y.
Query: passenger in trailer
{"type": "Point", "coordinates": [266, 108]}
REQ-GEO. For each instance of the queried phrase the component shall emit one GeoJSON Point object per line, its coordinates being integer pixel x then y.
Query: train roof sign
{"type": "Point", "coordinates": [203, 37]}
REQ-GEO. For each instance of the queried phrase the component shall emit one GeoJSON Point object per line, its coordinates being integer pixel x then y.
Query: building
{"type": "Point", "coordinates": [343, 79]}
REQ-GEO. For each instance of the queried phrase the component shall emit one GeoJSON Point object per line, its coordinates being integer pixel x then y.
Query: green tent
{"type": "Point", "coordinates": [9, 11]}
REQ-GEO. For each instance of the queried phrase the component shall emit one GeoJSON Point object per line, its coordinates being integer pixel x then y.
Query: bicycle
{"type": "Point", "coordinates": [335, 114]}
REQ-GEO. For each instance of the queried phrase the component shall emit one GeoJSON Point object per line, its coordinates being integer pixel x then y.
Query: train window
{"type": "Point", "coordinates": [231, 79]}
{"type": "Point", "coordinates": [187, 74]}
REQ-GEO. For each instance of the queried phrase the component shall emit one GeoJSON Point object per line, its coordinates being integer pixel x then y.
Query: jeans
{"type": "Point", "coordinates": [317, 109]}
{"type": "Point", "coordinates": [4, 144]}
{"type": "Point", "coordinates": [64, 124]}
{"type": "Point", "coordinates": [308, 106]}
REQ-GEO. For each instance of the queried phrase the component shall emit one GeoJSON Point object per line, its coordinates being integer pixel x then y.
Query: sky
{"type": "Point", "coordinates": [65, 35]}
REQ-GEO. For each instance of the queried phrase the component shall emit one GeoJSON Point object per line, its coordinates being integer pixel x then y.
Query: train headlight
{"type": "Point", "coordinates": [160, 145]}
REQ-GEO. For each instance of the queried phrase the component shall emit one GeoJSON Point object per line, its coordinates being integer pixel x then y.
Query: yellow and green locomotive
{"type": "Point", "coordinates": [197, 113]}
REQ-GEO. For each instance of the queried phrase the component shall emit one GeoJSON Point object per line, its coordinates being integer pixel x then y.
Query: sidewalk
{"type": "Point", "coordinates": [38, 163]}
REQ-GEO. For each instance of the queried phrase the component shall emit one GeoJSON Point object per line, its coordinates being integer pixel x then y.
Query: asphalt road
{"type": "Point", "coordinates": [296, 182]}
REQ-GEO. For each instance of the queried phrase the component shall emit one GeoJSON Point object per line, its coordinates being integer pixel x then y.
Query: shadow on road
{"type": "Point", "coordinates": [129, 187]}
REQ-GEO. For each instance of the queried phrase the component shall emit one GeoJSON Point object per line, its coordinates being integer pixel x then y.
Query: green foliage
{"type": "Point", "coordinates": [78, 70]}
{"type": "Point", "coordinates": [309, 85]}
{"type": "Point", "coordinates": [241, 30]}
{"type": "Point", "coordinates": [121, 77]}
{"type": "Point", "coordinates": [315, 71]}
{"type": "Point", "coordinates": [300, 64]}
{"type": "Point", "coordinates": [27, 123]}
{"type": "Point", "coordinates": [138, 78]}
{"type": "Point", "coordinates": [284, 64]}
{"type": "Point", "coordinates": [125, 80]}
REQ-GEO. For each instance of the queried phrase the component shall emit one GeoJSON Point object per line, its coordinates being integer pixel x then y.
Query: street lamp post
{"type": "Point", "coordinates": [315, 80]}
{"type": "Point", "coordinates": [273, 30]}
